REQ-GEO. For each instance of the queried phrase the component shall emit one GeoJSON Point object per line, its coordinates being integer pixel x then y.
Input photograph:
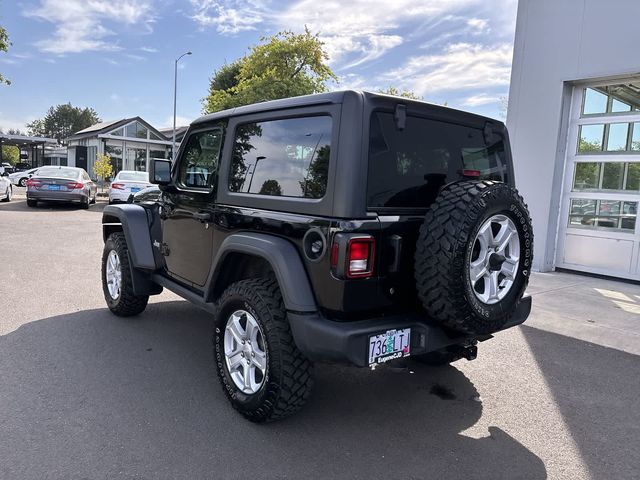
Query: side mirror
{"type": "Point", "coordinates": [160, 171]}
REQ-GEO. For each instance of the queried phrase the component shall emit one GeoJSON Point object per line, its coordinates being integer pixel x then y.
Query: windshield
{"type": "Point", "coordinates": [59, 172]}
{"type": "Point", "coordinates": [134, 176]}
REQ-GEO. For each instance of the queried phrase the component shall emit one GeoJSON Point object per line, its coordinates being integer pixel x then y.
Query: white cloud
{"type": "Point", "coordinates": [479, 25]}
{"type": "Point", "coordinates": [80, 24]}
{"type": "Point", "coordinates": [149, 49]}
{"type": "Point", "coordinates": [229, 16]}
{"type": "Point", "coordinates": [180, 122]}
{"type": "Point", "coordinates": [460, 66]}
{"type": "Point", "coordinates": [480, 99]}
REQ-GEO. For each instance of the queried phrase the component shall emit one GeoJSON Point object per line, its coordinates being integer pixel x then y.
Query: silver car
{"type": "Point", "coordinates": [6, 189]}
{"type": "Point", "coordinates": [61, 184]}
{"type": "Point", "coordinates": [127, 182]}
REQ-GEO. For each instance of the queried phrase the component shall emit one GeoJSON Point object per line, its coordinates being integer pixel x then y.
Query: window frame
{"type": "Point", "coordinates": [312, 206]}
{"type": "Point", "coordinates": [175, 174]}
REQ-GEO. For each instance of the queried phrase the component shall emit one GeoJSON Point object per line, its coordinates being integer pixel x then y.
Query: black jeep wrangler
{"type": "Point", "coordinates": [346, 227]}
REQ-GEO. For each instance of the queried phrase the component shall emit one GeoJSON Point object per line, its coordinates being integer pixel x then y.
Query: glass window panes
{"type": "Point", "coordinates": [633, 177]}
{"type": "Point", "coordinates": [618, 106]}
{"type": "Point", "coordinates": [635, 139]}
{"type": "Point", "coordinates": [157, 154]}
{"type": "Point", "coordinates": [594, 102]}
{"type": "Point", "coordinates": [282, 157]}
{"type": "Point", "coordinates": [117, 133]}
{"type": "Point", "coordinates": [153, 136]}
{"type": "Point", "coordinates": [587, 176]}
{"type": "Point", "coordinates": [137, 159]}
{"type": "Point", "coordinates": [199, 160]}
{"type": "Point", "coordinates": [590, 138]}
{"type": "Point", "coordinates": [617, 140]}
{"type": "Point", "coordinates": [603, 214]}
{"type": "Point", "coordinates": [612, 175]}
{"type": "Point", "coordinates": [136, 130]}
{"type": "Point", "coordinates": [115, 152]}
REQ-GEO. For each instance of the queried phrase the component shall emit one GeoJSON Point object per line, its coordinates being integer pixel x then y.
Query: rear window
{"type": "Point", "coordinates": [58, 173]}
{"type": "Point", "coordinates": [286, 158]}
{"type": "Point", "coordinates": [407, 168]}
{"type": "Point", "coordinates": [134, 176]}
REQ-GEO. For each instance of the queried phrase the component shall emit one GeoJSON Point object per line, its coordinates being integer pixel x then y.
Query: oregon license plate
{"type": "Point", "coordinates": [389, 345]}
{"type": "Point", "coordinates": [135, 190]}
{"type": "Point", "coordinates": [54, 187]}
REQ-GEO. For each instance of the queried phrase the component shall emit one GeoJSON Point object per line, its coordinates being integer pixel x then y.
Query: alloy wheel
{"type": "Point", "coordinates": [244, 351]}
{"type": "Point", "coordinates": [114, 275]}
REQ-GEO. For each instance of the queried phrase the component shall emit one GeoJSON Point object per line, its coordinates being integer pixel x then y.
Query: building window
{"type": "Point", "coordinates": [115, 152]}
{"type": "Point", "coordinates": [620, 98]}
{"type": "Point", "coordinates": [603, 214]}
{"type": "Point", "coordinates": [157, 154]}
{"type": "Point", "coordinates": [287, 158]}
{"type": "Point", "coordinates": [603, 176]}
{"type": "Point", "coordinates": [609, 137]}
{"type": "Point", "coordinates": [136, 130]}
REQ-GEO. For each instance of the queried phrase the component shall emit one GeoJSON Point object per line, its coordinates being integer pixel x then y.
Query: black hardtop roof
{"type": "Point", "coordinates": [331, 98]}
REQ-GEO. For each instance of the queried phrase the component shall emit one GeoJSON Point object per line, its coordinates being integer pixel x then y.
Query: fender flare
{"type": "Point", "coordinates": [283, 258]}
{"type": "Point", "coordinates": [135, 226]}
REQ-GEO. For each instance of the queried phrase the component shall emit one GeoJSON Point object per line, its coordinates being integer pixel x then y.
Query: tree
{"type": "Point", "coordinates": [103, 167]}
{"type": "Point", "coordinates": [4, 47]}
{"type": "Point", "coordinates": [62, 121]}
{"type": "Point", "coordinates": [400, 93]}
{"type": "Point", "coordinates": [10, 154]}
{"type": "Point", "coordinates": [271, 187]}
{"type": "Point", "coordinates": [284, 65]}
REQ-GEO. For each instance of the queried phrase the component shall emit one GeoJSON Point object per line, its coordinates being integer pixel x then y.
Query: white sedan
{"type": "Point", "coordinates": [6, 189]}
{"type": "Point", "coordinates": [126, 183]}
{"type": "Point", "coordinates": [20, 178]}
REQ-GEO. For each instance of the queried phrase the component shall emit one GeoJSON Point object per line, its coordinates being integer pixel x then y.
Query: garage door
{"type": "Point", "coordinates": [599, 231]}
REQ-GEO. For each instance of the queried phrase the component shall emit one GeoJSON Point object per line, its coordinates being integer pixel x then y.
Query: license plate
{"type": "Point", "coordinates": [54, 187]}
{"type": "Point", "coordinates": [135, 190]}
{"type": "Point", "coordinates": [389, 345]}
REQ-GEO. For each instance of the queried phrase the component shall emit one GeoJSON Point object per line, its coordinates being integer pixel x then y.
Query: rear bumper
{"type": "Point", "coordinates": [324, 340]}
{"type": "Point", "coordinates": [52, 196]}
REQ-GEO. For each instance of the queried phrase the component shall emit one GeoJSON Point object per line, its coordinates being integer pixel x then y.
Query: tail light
{"type": "Point", "coordinates": [117, 186]}
{"type": "Point", "coordinates": [75, 185]}
{"type": "Point", "coordinates": [360, 252]}
{"type": "Point", "coordinates": [33, 183]}
{"type": "Point", "coordinates": [352, 255]}
{"type": "Point", "coordinates": [471, 173]}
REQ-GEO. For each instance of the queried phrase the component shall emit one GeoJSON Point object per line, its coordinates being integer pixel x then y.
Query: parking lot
{"type": "Point", "coordinates": [87, 395]}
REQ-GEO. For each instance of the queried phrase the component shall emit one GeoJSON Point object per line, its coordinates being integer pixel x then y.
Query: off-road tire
{"type": "Point", "coordinates": [32, 203]}
{"type": "Point", "coordinates": [289, 375]}
{"type": "Point", "coordinates": [444, 250]}
{"type": "Point", "coordinates": [127, 304]}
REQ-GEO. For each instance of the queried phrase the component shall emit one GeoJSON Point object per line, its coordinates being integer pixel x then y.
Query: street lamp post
{"type": "Point", "coordinates": [175, 93]}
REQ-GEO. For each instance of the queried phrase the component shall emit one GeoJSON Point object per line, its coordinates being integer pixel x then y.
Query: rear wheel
{"type": "Point", "coordinates": [8, 194]}
{"type": "Point", "coordinates": [473, 256]}
{"type": "Point", "coordinates": [85, 204]}
{"type": "Point", "coordinates": [32, 203]}
{"type": "Point", "coordinates": [117, 281]}
{"type": "Point", "coordinates": [263, 374]}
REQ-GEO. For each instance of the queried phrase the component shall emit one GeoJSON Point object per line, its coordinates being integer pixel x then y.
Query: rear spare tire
{"type": "Point", "coordinates": [473, 256]}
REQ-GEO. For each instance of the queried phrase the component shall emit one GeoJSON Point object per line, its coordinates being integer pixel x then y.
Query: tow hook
{"type": "Point", "coordinates": [470, 352]}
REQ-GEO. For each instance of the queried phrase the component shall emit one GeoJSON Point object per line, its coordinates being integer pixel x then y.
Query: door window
{"type": "Point", "coordinates": [199, 161]}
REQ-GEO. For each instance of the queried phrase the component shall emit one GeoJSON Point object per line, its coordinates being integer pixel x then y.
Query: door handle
{"type": "Point", "coordinates": [202, 216]}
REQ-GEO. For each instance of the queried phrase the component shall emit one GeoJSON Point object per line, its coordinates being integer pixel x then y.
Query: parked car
{"type": "Point", "coordinates": [6, 168]}
{"type": "Point", "coordinates": [6, 189]}
{"type": "Point", "coordinates": [22, 166]}
{"type": "Point", "coordinates": [20, 178]}
{"type": "Point", "coordinates": [388, 228]}
{"type": "Point", "coordinates": [126, 183]}
{"type": "Point", "coordinates": [61, 184]}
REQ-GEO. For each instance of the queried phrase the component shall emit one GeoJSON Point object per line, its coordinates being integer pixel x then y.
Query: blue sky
{"type": "Point", "coordinates": [117, 55]}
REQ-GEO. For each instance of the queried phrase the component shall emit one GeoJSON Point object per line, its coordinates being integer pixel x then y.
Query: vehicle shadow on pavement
{"type": "Point", "coordinates": [20, 205]}
{"type": "Point", "coordinates": [597, 390]}
{"type": "Point", "coordinates": [91, 395]}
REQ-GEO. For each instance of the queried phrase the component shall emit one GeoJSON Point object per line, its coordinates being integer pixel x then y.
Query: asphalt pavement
{"type": "Point", "coordinates": [87, 395]}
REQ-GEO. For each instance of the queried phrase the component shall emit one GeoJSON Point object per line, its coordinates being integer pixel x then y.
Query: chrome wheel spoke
{"type": "Point", "coordinates": [259, 360]}
{"type": "Point", "coordinates": [509, 268]}
{"type": "Point", "coordinates": [477, 270]}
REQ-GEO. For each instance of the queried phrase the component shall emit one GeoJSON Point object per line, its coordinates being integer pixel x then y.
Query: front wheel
{"type": "Point", "coordinates": [23, 182]}
{"type": "Point", "coordinates": [263, 374]}
{"type": "Point", "coordinates": [117, 281]}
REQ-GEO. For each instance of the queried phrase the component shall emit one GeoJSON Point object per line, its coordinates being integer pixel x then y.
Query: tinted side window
{"type": "Point", "coordinates": [407, 168]}
{"type": "Point", "coordinates": [288, 158]}
{"type": "Point", "coordinates": [199, 161]}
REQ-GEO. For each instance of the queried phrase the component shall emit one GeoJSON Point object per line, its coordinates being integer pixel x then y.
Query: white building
{"type": "Point", "coordinates": [130, 143]}
{"type": "Point", "coordinates": [574, 120]}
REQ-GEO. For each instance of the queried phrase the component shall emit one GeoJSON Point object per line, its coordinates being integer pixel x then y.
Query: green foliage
{"type": "Point", "coordinates": [284, 65]}
{"type": "Point", "coordinates": [400, 93]}
{"type": "Point", "coordinates": [103, 167]}
{"type": "Point", "coordinates": [10, 154]}
{"type": "Point", "coordinates": [62, 121]}
{"type": "Point", "coordinates": [271, 187]}
{"type": "Point", "coordinates": [587, 146]}
{"type": "Point", "coordinates": [4, 47]}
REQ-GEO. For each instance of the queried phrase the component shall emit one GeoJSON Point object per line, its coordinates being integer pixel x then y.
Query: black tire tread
{"type": "Point", "coordinates": [128, 304]}
{"type": "Point", "coordinates": [32, 203]}
{"type": "Point", "coordinates": [444, 233]}
{"type": "Point", "coordinates": [295, 380]}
